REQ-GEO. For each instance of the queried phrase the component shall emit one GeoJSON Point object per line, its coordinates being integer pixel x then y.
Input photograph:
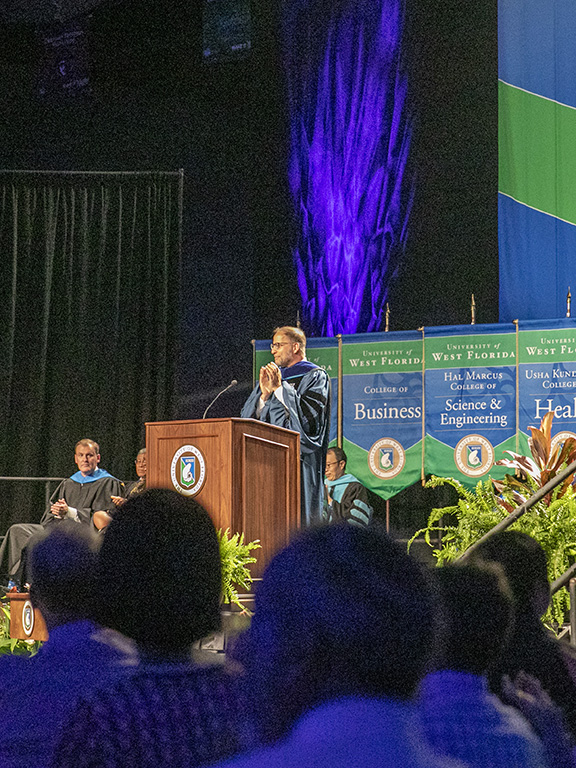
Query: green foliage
{"type": "Point", "coordinates": [477, 511]}
{"type": "Point", "coordinates": [235, 556]}
{"type": "Point", "coordinates": [533, 472]}
{"type": "Point", "coordinates": [552, 521]}
{"type": "Point", "coordinates": [8, 644]}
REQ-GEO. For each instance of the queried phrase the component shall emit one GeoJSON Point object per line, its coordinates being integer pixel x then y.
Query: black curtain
{"type": "Point", "coordinates": [90, 269]}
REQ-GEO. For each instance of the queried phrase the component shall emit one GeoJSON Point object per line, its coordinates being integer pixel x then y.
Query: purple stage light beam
{"type": "Point", "coordinates": [350, 142]}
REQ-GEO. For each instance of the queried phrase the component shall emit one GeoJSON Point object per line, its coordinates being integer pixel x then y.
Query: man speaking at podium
{"type": "Point", "coordinates": [295, 394]}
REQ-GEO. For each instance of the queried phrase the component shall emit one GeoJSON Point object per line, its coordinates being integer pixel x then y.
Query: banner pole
{"type": "Point", "coordinates": [340, 398]}
{"type": "Point", "coordinates": [422, 472]}
{"type": "Point", "coordinates": [253, 342]}
{"type": "Point", "coordinates": [517, 387]}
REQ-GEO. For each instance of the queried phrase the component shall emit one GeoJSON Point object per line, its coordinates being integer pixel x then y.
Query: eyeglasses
{"type": "Point", "coordinates": [332, 463]}
{"type": "Point", "coordinates": [276, 344]}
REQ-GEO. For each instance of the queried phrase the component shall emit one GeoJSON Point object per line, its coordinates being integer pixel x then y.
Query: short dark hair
{"type": "Point", "coordinates": [159, 572]}
{"type": "Point", "coordinates": [477, 610]}
{"type": "Point", "coordinates": [62, 567]}
{"type": "Point", "coordinates": [341, 611]}
{"type": "Point", "coordinates": [523, 561]}
{"type": "Point", "coordinates": [338, 453]}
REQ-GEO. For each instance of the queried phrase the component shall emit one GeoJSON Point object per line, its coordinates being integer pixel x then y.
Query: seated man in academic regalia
{"type": "Point", "coordinates": [132, 488]}
{"type": "Point", "coordinates": [135, 487]}
{"type": "Point", "coordinates": [345, 498]}
{"type": "Point", "coordinates": [77, 498]}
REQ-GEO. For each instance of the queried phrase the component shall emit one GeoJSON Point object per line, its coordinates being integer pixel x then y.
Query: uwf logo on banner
{"type": "Point", "coordinates": [474, 455]}
{"type": "Point", "coordinates": [382, 409]}
{"type": "Point", "coordinates": [387, 458]}
{"type": "Point", "coordinates": [470, 383]}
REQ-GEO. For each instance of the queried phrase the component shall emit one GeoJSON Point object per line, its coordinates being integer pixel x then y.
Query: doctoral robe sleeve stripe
{"type": "Point", "coordinates": [360, 514]}
{"type": "Point", "coordinates": [318, 397]}
{"type": "Point", "coordinates": [309, 415]}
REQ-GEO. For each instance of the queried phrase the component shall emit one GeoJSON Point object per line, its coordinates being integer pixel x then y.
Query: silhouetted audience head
{"type": "Point", "coordinates": [159, 572]}
{"type": "Point", "coordinates": [62, 570]}
{"type": "Point", "coordinates": [531, 649]}
{"type": "Point", "coordinates": [341, 611]}
{"type": "Point", "coordinates": [477, 613]}
{"type": "Point", "coordinates": [524, 564]}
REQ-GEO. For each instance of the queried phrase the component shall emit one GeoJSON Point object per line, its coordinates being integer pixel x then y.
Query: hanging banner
{"type": "Point", "coordinates": [382, 409]}
{"type": "Point", "coordinates": [484, 385]}
{"type": "Point", "coordinates": [547, 377]}
{"type": "Point", "coordinates": [470, 401]}
{"type": "Point", "coordinates": [536, 156]}
{"type": "Point", "coordinates": [322, 352]}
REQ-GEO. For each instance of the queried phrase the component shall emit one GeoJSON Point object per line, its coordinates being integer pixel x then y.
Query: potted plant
{"type": "Point", "coordinates": [236, 556]}
{"type": "Point", "coordinates": [551, 521]}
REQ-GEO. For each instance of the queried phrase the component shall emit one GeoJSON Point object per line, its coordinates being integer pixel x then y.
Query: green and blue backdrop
{"type": "Point", "coordinates": [537, 157]}
{"type": "Point", "coordinates": [444, 400]}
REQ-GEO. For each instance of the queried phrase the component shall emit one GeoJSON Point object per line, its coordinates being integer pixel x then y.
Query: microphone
{"type": "Point", "coordinates": [232, 384]}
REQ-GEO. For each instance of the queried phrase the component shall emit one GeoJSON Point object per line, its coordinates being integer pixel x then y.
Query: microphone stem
{"type": "Point", "coordinates": [232, 383]}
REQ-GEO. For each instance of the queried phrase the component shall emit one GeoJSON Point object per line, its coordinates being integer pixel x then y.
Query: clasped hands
{"type": "Point", "coordinates": [59, 508]}
{"type": "Point", "coordinates": [270, 379]}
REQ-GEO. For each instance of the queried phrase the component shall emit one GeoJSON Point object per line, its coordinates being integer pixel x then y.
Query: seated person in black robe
{"type": "Point", "coordinates": [78, 497]}
{"type": "Point", "coordinates": [345, 498]}
{"type": "Point", "coordinates": [101, 519]}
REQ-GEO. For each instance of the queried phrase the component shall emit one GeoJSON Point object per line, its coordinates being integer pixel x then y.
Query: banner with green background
{"type": "Point", "coordinates": [547, 377]}
{"type": "Point", "coordinates": [476, 385]}
{"type": "Point", "coordinates": [470, 400]}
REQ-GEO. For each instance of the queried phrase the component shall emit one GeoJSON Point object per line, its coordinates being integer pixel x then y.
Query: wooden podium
{"type": "Point", "coordinates": [244, 472]}
{"type": "Point", "coordinates": [26, 622]}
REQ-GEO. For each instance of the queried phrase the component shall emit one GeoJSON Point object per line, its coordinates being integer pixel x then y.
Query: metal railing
{"type": "Point", "coordinates": [568, 578]}
{"type": "Point", "coordinates": [522, 509]}
{"type": "Point", "coordinates": [45, 480]}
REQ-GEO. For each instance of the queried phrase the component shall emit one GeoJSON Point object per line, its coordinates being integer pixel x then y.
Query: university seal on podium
{"type": "Point", "coordinates": [188, 470]}
{"type": "Point", "coordinates": [27, 618]}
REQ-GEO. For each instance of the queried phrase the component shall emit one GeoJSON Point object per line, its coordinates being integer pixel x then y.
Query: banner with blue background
{"type": "Point", "coordinates": [547, 377]}
{"type": "Point", "coordinates": [382, 409]}
{"type": "Point", "coordinates": [470, 400]}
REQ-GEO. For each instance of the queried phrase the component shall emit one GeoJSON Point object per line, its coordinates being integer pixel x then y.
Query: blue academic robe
{"type": "Point", "coordinates": [306, 390]}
